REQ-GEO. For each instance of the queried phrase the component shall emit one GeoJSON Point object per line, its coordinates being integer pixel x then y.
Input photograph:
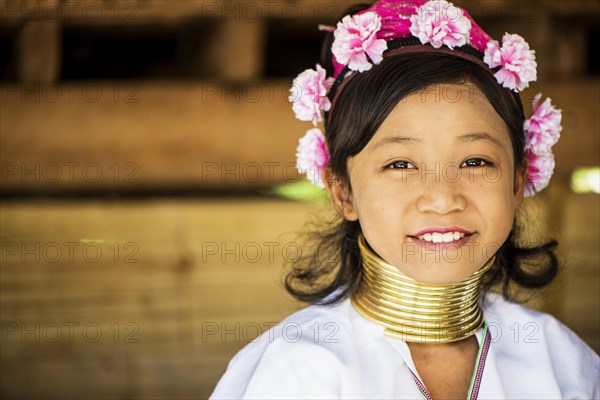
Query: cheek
{"type": "Point", "coordinates": [372, 208]}
{"type": "Point", "coordinates": [380, 207]}
{"type": "Point", "coordinates": [497, 183]}
{"type": "Point", "coordinates": [497, 205]}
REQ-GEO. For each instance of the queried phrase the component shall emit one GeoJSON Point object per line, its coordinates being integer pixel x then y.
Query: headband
{"type": "Point", "coordinates": [390, 27]}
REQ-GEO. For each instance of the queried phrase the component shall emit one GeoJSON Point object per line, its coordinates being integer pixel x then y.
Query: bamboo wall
{"type": "Point", "coordinates": [138, 299]}
{"type": "Point", "coordinates": [141, 246]}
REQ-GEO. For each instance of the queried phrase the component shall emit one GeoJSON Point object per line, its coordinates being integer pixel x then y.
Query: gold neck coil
{"type": "Point", "coordinates": [414, 311]}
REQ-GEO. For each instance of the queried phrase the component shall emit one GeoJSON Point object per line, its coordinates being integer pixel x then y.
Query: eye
{"type": "Point", "coordinates": [475, 162]}
{"type": "Point", "coordinates": [401, 165]}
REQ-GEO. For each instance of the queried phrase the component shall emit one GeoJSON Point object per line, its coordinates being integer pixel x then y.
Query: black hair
{"type": "Point", "coordinates": [333, 271]}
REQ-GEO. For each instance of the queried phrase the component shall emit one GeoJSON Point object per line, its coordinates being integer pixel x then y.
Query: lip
{"type": "Point", "coordinates": [442, 230]}
{"type": "Point", "coordinates": [455, 244]}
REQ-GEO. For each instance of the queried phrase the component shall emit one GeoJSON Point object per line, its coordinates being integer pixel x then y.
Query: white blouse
{"type": "Point", "coordinates": [333, 352]}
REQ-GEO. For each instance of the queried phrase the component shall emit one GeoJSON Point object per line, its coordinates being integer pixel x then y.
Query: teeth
{"type": "Point", "coordinates": [438, 237]}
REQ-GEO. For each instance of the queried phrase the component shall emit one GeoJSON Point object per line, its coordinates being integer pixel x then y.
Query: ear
{"type": "Point", "coordinates": [340, 194]}
{"type": "Point", "coordinates": [520, 177]}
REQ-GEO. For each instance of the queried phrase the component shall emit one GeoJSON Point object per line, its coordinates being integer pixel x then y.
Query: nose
{"type": "Point", "coordinates": [441, 196]}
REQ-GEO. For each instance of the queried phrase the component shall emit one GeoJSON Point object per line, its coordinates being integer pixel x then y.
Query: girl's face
{"type": "Point", "coordinates": [435, 190]}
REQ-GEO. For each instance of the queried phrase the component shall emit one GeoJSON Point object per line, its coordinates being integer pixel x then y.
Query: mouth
{"type": "Point", "coordinates": [435, 238]}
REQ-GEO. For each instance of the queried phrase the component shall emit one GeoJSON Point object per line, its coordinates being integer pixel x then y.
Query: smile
{"type": "Point", "coordinates": [442, 245]}
{"type": "Point", "coordinates": [438, 237]}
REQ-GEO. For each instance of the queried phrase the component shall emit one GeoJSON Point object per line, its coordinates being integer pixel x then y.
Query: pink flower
{"type": "Point", "coordinates": [542, 129]}
{"type": "Point", "coordinates": [312, 156]}
{"type": "Point", "coordinates": [440, 23]}
{"type": "Point", "coordinates": [539, 171]}
{"type": "Point", "coordinates": [309, 94]}
{"type": "Point", "coordinates": [356, 38]}
{"type": "Point", "coordinates": [517, 62]}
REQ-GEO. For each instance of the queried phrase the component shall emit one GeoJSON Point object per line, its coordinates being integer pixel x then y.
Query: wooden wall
{"type": "Point", "coordinates": [138, 299]}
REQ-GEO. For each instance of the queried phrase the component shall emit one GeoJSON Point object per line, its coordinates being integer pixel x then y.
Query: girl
{"type": "Point", "coordinates": [427, 156]}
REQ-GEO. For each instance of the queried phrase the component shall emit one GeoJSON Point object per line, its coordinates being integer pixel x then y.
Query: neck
{"type": "Point", "coordinates": [413, 311]}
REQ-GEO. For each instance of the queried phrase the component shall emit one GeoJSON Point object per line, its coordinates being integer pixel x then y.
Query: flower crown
{"type": "Point", "coordinates": [360, 41]}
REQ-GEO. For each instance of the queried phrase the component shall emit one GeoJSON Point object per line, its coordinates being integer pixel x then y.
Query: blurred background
{"type": "Point", "coordinates": [149, 197]}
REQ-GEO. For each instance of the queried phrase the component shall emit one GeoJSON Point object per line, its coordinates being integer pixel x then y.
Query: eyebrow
{"type": "Point", "coordinates": [395, 140]}
{"type": "Point", "coordinates": [466, 138]}
{"type": "Point", "coordinates": [473, 137]}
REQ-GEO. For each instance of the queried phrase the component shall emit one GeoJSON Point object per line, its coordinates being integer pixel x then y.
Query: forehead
{"type": "Point", "coordinates": [451, 108]}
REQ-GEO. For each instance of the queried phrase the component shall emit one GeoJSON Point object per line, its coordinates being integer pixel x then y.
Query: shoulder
{"type": "Point", "coordinates": [531, 340]}
{"type": "Point", "coordinates": [303, 355]}
{"type": "Point", "coordinates": [508, 316]}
